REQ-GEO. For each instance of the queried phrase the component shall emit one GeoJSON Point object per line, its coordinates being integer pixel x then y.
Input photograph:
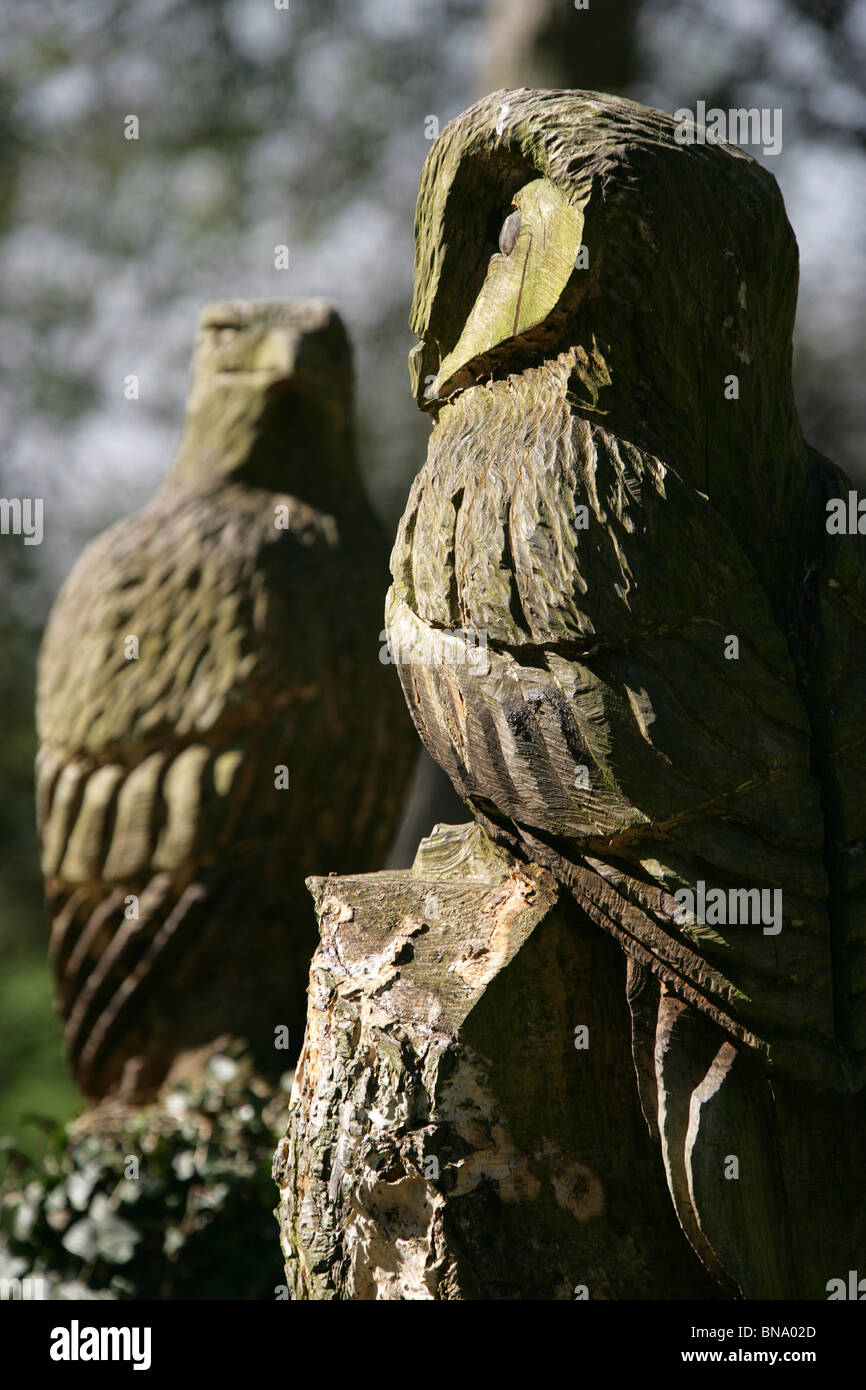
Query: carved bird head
{"type": "Point", "coordinates": [266, 344]}
{"type": "Point", "coordinates": [270, 391]}
{"type": "Point", "coordinates": [552, 222]}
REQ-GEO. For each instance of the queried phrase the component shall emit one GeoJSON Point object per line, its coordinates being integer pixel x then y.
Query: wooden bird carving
{"type": "Point", "coordinates": [215, 722]}
{"type": "Point", "coordinates": [625, 631]}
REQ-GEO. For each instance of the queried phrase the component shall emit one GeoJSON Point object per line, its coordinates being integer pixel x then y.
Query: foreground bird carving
{"type": "Point", "coordinates": [214, 719]}
{"type": "Point", "coordinates": [625, 630]}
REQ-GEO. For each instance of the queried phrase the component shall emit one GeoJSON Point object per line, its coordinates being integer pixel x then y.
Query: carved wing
{"type": "Point", "coordinates": [169, 851]}
{"type": "Point", "coordinates": [616, 729]}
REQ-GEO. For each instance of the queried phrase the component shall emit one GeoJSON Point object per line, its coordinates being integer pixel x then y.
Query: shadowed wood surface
{"type": "Point", "coordinates": [763, 1170]}
{"type": "Point", "coordinates": [626, 632]}
{"type": "Point", "coordinates": [447, 1139]}
{"type": "Point", "coordinates": [607, 520]}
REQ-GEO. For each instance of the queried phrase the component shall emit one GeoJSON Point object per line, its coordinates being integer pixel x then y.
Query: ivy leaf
{"type": "Point", "coordinates": [102, 1234]}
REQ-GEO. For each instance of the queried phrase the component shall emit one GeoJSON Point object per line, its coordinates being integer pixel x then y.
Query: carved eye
{"type": "Point", "coordinates": [223, 332]}
{"type": "Point", "coordinates": [509, 233]}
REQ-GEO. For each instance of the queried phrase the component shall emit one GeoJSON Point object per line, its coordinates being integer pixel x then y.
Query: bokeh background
{"type": "Point", "coordinates": [307, 126]}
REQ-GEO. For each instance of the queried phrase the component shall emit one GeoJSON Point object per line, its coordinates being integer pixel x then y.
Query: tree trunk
{"type": "Point", "coordinates": [553, 43]}
{"type": "Point", "coordinates": [465, 1122]}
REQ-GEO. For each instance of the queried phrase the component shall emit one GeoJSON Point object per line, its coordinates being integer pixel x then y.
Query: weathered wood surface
{"type": "Point", "coordinates": [447, 1139]}
{"type": "Point", "coordinates": [182, 784]}
{"type": "Point", "coordinates": [610, 521]}
{"type": "Point", "coordinates": [765, 1172]}
{"type": "Point", "coordinates": [628, 632]}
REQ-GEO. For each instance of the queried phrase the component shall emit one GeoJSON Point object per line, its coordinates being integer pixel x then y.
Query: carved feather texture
{"type": "Point", "coordinates": [625, 633]}
{"type": "Point", "coordinates": [174, 864]}
{"type": "Point", "coordinates": [698, 766]}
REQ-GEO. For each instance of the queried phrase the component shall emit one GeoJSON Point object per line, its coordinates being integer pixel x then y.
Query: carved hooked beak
{"type": "Point", "coordinates": [524, 282]}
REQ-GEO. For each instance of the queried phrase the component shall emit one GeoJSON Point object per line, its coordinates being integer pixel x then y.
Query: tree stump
{"type": "Point", "coordinates": [464, 1122]}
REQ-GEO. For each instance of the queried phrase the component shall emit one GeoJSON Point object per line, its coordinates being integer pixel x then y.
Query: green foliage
{"type": "Point", "coordinates": [31, 1063]}
{"type": "Point", "coordinates": [197, 1222]}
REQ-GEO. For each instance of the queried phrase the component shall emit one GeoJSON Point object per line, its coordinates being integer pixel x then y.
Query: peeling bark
{"type": "Point", "coordinates": [447, 1137]}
